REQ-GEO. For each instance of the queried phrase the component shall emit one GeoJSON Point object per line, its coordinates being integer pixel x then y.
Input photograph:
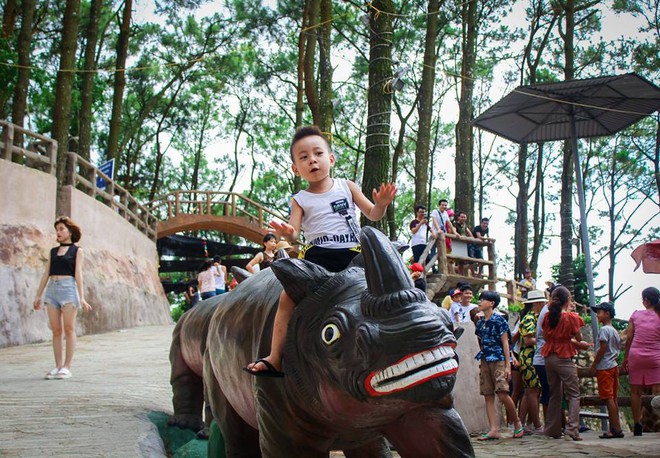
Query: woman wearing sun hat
{"type": "Point", "coordinates": [529, 405]}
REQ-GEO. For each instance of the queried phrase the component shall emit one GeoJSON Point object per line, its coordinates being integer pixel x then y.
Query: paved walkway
{"type": "Point", "coordinates": [121, 376]}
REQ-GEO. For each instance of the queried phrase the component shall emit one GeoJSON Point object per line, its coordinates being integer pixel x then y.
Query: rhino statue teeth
{"type": "Point", "coordinates": [367, 357]}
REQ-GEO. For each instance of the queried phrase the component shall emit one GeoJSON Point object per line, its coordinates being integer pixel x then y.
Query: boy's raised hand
{"type": "Point", "coordinates": [283, 229]}
{"type": "Point", "coordinates": [384, 195]}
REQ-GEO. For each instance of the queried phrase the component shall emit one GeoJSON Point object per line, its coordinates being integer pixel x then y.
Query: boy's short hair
{"type": "Point", "coordinates": [484, 220]}
{"type": "Point", "coordinates": [492, 296]}
{"type": "Point", "coordinates": [307, 131]}
{"type": "Point", "coordinates": [442, 200]}
{"type": "Point", "coordinates": [466, 287]}
{"type": "Point", "coordinates": [419, 207]}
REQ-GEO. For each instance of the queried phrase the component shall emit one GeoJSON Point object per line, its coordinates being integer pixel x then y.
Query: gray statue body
{"type": "Point", "coordinates": [367, 356]}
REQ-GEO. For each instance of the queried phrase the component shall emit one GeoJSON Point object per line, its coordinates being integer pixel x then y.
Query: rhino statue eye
{"type": "Point", "coordinates": [330, 333]}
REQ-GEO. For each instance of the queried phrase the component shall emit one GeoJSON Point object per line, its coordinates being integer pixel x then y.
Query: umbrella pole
{"type": "Point", "coordinates": [584, 235]}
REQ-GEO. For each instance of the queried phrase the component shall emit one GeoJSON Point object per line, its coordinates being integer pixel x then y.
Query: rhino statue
{"type": "Point", "coordinates": [367, 357]}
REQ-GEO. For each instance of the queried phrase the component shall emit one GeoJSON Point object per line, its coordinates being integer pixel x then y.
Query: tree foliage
{"type": "Point", "coordinates": [213, 91]}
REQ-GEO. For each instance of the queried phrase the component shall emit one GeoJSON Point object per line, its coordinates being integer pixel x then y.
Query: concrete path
{"type": "Point", "coordinates": [118, 378]}
{"type": "Point", "coordinates": [121, 376]}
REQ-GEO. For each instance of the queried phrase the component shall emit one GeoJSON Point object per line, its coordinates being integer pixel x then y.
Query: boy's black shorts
{"type": "Point", "coordinates": [334, 260]}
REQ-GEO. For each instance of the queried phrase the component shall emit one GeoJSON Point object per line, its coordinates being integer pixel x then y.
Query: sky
{"type": "Point", "coordinates": [613, 26]}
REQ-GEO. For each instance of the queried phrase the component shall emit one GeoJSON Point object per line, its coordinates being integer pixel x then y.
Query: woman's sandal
{"type": "Point", "coordinates": [518, 433]}
{"type": "Point", "coordinates": [488, 437]}
{"type": "Point", "coordinates": [577, 437]}
{"type": "Point", "coordinates": [52, 374]}
{"type": "Point", "coordinates": [612, 435]}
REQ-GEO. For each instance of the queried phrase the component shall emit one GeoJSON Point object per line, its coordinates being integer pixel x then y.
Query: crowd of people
{"type": "Point", "coordinates": [542, 348]}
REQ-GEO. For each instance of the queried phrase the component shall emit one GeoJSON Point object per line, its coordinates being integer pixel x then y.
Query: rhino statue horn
{"type": "Point", "coordinates": [389, 285]}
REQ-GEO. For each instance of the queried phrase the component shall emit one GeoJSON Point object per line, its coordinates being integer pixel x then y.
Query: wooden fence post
{"type": "Point", "coordinates": [443, 266]}
{"type": "Point", "coordinates": [8, 140]}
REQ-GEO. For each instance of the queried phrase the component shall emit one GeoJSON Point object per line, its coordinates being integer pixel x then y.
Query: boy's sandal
{"type": "Point", "coordinates": [488, 437]}
{"type": "Point", "coordinates": [518, 433]}
{"type": "Point", "coordinates": [269, 372]}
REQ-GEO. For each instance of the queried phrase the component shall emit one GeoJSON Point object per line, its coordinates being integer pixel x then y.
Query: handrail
{"type": "Point", "coordinates": [82, 175]}
{"type": "Point", "coordinates": [40, 154]}
{"type": "Point", "coordinates": [442, 255]}
{"type": "Point", "coordinates": [212, 203]}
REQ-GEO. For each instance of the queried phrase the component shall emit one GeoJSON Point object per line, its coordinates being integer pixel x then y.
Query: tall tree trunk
{"type": "Point", "coordinates": [19, 102]}
{"type": "Point", "coordinates": [538, 12]}
{"type": "Point", "coordinates": [120, 83]}
{"type": "Point", "coordinates": [538, 221]}
{"type": "Point", "coordinates": [379, 101]}
{"type": "Point", "coordinates": [566, 274]}
{"type": "Point", "coordinates": [425, 107]}
{"type": "Point", "coordinates": [521, 224]}
{"type": "Point", "coordinates": [325, 68]}
{"type": "Point", "coordinates": [398, 153]}
{"type": "Point", "coordinates": [300, 84]}
{"type": "Point", "coordinates": [312, 33]}
{"type": "Point", "coordinates": [464, 192]}
{"type": "Point", "coordinates": [88, 77]}
{"type": "Point", "coordinates": [7, 43]}
{"type": "Point", "coordinates": [9, 18]}
{"type": "Point", "coordinates": [64, 85]}
{"type": "Point", "coordinates": [199, 147]}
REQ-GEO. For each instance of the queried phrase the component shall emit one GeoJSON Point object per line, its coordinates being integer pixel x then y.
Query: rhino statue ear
{"type": "Point", "coordinates": [240, 274]}
{"type": "Point", "coordinates": [299, 278]}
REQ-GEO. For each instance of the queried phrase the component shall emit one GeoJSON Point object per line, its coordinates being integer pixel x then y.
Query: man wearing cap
{"type": "Point", "coordinates": [606, 368]}
{"type": "Point", "coordinates": [538, 360]}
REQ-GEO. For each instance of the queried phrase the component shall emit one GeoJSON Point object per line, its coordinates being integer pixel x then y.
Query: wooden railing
{"type": "Point", "coordinates": [217, 203]}
{"type": "Point", "coordinates": [473, 266]}
{"type": "Point", "coordinates": [40, 152]}
{"type": "Point", "coordinates": [82, 175]}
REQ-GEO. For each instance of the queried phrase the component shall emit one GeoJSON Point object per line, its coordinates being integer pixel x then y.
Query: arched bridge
{"type": "Point", "coordinates": [227, 212]}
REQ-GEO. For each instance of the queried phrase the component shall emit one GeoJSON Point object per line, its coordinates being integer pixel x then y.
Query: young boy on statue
{"type": "Point", "coordinates": [325, 212]}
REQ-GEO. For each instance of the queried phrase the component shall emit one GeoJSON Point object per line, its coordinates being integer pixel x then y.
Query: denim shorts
{"type": "Point", "coordinates": [61, 292]}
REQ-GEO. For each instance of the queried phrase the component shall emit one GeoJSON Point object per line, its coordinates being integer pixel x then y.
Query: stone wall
{"type": "Point", "coordinates": [120, 263]}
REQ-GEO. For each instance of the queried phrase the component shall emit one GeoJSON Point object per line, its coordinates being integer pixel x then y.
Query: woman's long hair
{"type": "Point", "coordinates": [560, 296]}
{"type": "Point", "coordinates": [652, 295]}
{"type": "Point", "coordinates": [526, 309]}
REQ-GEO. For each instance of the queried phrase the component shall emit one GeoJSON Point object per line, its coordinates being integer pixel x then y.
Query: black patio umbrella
{"type": "Point", "coordinates": [593, 107]}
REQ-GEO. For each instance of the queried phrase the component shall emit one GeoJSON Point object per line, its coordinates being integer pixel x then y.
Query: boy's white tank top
{"type": "Point", "coordinates": [324, 221]}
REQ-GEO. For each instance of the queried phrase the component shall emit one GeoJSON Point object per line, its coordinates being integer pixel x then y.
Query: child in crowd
{"type": "Point", "coordinates": [606, 369]}
{"type": "Point", "coordinates": [325, 212]}
{"type": "Point", "coordinates": [417, 274]}
{"type": "Point", "coordinates": [455, 308]}
{"type": "Point", "coordinates": [495, 368]}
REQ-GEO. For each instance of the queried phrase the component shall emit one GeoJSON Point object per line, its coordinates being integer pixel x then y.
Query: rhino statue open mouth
{"type": "Point", "coordinates": [367, 357]}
